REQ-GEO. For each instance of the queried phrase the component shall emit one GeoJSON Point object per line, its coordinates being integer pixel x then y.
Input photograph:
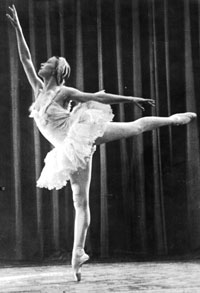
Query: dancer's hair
{"type": "Point", "coordinates": [63, 70]}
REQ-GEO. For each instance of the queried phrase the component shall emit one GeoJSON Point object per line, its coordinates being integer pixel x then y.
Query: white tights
{"type": "Point", "coordinates": [80, 184]}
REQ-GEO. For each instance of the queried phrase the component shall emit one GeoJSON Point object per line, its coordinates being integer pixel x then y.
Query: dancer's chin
{"type": "Point", "coordinates": [40, 73]}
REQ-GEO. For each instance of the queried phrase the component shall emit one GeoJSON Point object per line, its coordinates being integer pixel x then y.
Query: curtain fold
{"type": "Point", "coordinates": [159, 216]}
{"type": "Point", "coordinates": [55, 195]}
{"type": "Point", "coordinates": [16, 162]}
{"type": "Point", "coordinates": [123, 143]}
{"type": "Point", "coordinates": [167, 65]}
{"type": "Point", "coordinates": [104, 242]}
{"type": "Point", "coordinates": [137, 160]}
{"type": "Point", "coordinates": [80, 70]}
{"type": "Point", "coordinates": [67, 192]}
{"type": "Point", "coordinates": [192, 151]}
{"type": "Point", "coordinates": [37, 147]}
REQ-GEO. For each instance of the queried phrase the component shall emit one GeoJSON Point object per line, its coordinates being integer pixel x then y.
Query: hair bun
{"type": "Point", "coordinates": [63, 69]}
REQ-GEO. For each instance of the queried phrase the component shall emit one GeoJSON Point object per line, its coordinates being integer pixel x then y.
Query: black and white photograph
{"type": "Point", "coordinates": [100, 146]}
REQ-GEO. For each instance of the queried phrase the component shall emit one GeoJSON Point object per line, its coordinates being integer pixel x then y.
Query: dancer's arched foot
{"type": "Point", "coordinates": [182, 118]}
{"type": "Point", "coordinates": [78, 259]}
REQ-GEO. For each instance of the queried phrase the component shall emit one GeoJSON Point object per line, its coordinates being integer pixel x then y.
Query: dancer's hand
{"type": "Point", "coordinates": [139, 101]}
{"type": "Point", "coordinates": [13, 18]}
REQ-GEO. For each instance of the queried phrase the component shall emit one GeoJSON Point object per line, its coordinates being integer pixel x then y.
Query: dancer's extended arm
{"type": "Point", "coordinates": [106, 98]}
{"type": "Point", "coordinates": [24, 53]}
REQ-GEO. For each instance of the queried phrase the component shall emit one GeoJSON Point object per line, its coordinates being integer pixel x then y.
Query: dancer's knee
{"type": "Point", "coordinates": [146, 123]}
{"type": "Point", "coordinates": [81, 206]}
{"type": "Point", "coordinates": [80, 201]}
{"type": "Point", "coordinates": [138, 127]}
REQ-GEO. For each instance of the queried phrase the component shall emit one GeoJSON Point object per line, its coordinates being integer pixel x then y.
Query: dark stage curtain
{"type": "Point", "coordinates": [145, 191]}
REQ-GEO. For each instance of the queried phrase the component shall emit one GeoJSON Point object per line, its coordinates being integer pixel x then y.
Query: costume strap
{"type": "Point", "coordinates": [51, 101]}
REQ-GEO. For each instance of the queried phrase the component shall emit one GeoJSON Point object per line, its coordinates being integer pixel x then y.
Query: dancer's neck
{"type": "Point", "coordinates": [50, 84]}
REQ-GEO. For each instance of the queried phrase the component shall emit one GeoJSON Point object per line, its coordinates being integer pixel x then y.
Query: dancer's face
{"type": "Point", "coordinates": [48, 68]}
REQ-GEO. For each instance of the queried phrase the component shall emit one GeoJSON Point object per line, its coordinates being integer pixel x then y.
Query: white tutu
{"type": "Point", "coordinates": [75, 139]}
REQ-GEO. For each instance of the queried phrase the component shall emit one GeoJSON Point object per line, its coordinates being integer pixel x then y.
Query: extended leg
{"type": "Point", "coordinates": [80, 184]}
{"type": "Point", "coordinates": [119, 130]}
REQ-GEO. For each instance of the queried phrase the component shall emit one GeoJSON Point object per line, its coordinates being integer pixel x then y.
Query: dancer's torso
{"type": "Point", "coordinates": [51, 113]}
{"type": "Point", "coordinates": [45, 97]}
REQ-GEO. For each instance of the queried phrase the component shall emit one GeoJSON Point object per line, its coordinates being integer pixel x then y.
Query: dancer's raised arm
{"type": "Point", "coordinates": [106, 98]}
{"type": "Point", "coordinates": [24, 53]}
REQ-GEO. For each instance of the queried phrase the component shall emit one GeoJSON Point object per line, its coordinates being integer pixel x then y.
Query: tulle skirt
{"type": "Point", "coordinates": [86, 123]}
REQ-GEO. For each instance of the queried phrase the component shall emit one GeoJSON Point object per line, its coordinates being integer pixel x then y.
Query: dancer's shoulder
{"type": "Point", "coordinates": [69, 92]}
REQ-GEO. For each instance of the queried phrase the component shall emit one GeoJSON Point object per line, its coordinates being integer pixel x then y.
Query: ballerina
{"type": "Point", "coordinates": [75, 133]}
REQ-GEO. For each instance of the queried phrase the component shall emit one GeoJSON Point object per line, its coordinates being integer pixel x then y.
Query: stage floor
{"type": "Point", "coordinates": [123, 277]}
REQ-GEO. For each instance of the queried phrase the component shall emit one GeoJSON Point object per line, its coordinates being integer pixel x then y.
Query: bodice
{"type": "Point", "coordinates": [51, 119]}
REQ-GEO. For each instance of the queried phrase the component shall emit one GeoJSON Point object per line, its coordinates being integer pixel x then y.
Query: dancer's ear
{"type": "Point", "coordinates": [56, 75]}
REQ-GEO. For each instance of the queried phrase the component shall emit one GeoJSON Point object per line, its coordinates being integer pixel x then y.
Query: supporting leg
{"type": "Point", "coordinates": [80, 183]}
{"type": "Point", "coordinates": [119, 130]}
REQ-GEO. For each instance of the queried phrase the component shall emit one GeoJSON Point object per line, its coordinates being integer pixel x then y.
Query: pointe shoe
{"type": "Point", "coordinates": [77, 262]}
{"type": "Point", "coordinates": [183, 118]}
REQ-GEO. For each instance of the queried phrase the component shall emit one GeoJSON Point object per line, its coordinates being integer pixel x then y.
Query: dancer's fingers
{"type": "Point", "coordinates": [14, 9]}
{"type": "Point", "coordinates": [152, 103]}
{"type": "Point", "coordinates": [151, 100]}
{"type": "Point", "coordinates": [139, 106]}
{"type": "Point", "coordinates": [10, 18]}
{"type": "Point", "coordinates": [11, 9]}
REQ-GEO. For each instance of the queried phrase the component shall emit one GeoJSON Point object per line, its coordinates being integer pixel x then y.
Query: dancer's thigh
{"type": "Point", "coordinates": [80, 180]}
{"type": "Point", "coordinates": [118, 130]}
